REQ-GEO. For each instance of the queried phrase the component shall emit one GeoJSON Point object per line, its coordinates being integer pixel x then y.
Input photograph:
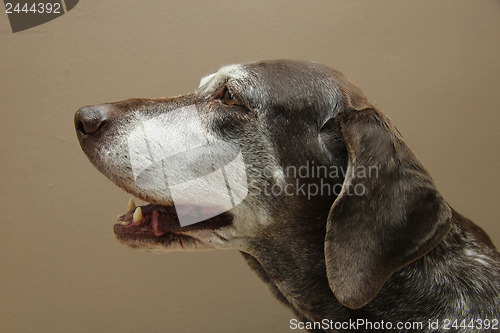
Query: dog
{"type": "Point", "coordinates": [330, 207]}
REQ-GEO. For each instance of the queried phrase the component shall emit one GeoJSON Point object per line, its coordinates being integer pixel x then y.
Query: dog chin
{"type": "Point", "coordinates": [168, 243]}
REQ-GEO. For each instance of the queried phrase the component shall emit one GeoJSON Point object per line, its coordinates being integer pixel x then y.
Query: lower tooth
{"type": "Point", "coordinates": [124, 223]}
{"type": "Point", "coordinates": [137, 215]}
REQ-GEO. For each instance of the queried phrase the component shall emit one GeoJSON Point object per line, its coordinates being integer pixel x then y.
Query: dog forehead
{"type": "Point", "coordinates": [217, 78]}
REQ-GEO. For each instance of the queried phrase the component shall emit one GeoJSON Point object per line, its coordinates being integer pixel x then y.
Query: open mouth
{"type": "Point", "coordinates": [153, 221]}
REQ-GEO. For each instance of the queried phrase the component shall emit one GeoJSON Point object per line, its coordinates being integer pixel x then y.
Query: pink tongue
{"type": "Point", "coordinates": [155, 224]}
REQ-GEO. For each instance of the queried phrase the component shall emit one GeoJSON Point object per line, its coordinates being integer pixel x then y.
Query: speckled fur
{"type": "Point", "coordinates": [398, 253]}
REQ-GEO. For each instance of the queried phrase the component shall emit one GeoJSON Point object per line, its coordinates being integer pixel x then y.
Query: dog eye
{"type": "Point", "coordinates": [228, 98]}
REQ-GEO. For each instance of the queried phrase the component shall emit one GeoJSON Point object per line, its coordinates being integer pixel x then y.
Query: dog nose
{"type": "Point", "coordinates": [89, 119]}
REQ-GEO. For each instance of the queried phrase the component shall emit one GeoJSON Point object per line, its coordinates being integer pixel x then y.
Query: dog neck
{"type": "Point", "coordinates": [296, 274]}
{"type": "Point", "coordinates": [295, 271]}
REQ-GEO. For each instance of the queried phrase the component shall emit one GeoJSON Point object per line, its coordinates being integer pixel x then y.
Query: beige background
{"type": "Point", "coordinates": [432, 66]}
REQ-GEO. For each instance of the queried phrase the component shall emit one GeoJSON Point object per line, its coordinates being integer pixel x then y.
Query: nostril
{"type": "Point", "coordinates": [90, 119]}
{"type": "Point", "coordinates": [79, 126]}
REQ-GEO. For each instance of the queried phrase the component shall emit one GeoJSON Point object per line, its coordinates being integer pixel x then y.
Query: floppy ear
{"type": "Point", "coordinates": [388, 213]}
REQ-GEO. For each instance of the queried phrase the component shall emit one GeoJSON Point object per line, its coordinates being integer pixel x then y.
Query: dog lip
{"type": "Point", "coordinates": [158, 221]}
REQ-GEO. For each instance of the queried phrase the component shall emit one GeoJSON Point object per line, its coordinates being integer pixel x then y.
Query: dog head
{"type": "Point", "coordinates": [260, 144]}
